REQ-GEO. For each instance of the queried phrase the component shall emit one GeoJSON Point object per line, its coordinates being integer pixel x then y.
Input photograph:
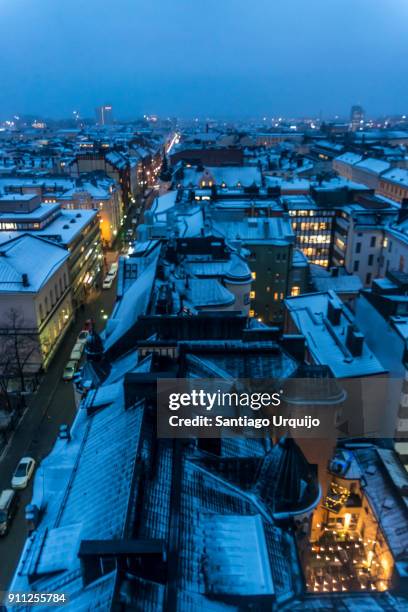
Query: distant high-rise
{"type": "Point", "coordinates": [104, 114]}
{"type": "Point", "coordinates": [356, 117]}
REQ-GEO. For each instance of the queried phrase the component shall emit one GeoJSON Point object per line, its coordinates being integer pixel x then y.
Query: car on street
{"type": "Point", "coordinates": [69, 370]}
{"type": "Point", "coordinates": [108, 282]}
{"type": "Point", "coordinates": [8, 509]}
{"type": "Point", "coordinates": [23, 473]}
{"type": "Point", "coordinates": [113, 270]}
{"type": "Point", "coordinates": [77, 351]}
{"type": "Point", "coordinates": [82, 337]}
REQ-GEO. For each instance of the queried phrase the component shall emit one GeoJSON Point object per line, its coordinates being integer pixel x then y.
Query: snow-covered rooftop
{"type": "Point", "coordinates": [326, 341]}
{"type": "Point", "coordinates": [271, 230]}
{"type": "Point", "coordinates": [397, 175]}
{"type": "Point", "coordinates": [231, 176]}
{"type": "Point", "coordinates": [349, 158]}
{"type": "Point", "coordinates": [373, 165]}
{"type": "Point", "coordinates": [27, 254]}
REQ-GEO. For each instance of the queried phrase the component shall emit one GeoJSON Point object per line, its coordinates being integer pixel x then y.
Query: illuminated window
{"type": "Point", "coordinates": [276, 296]}
{"type": "Point", "coordinates": [252, 313]}
{"type": "Point", "coordinates": [295, 291]}
{"type": "Point", "coordinates": [253, 274]}
{"type": "Point", "coordinates": [252, 294]}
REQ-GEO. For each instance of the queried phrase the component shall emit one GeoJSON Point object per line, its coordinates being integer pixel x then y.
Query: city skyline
{"type": "Point", "coordinates": [223, 61]}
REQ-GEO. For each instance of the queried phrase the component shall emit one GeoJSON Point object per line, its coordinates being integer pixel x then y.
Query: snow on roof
{"type": "Point", "coordinates": [401, 325]}
{"type": "Point", "coordinates": [272, 230]}
{"type": "Point", "coordinates": [29, 255]}
{"type": "Point", "coordinates": [234, 267]}
{"type": "Point", "coordinates": [231, 176]}
{"type": "Point", "coordinates": [98, 189]}
{"type": "Point", "coordinates": [190, 224]}
{"type": "Point", "coordinates": [323, 280]}
{"type": "Point", "coordinates": [116, 159]}
{"type": "Point", "coordinates": [206, 293]}
{"type": "Point", "coordinates": [287, 185]}
{"type": "Point", "coordinates": [38, 214]}
{"type": "Point", "coordinates": [37, 182]}
{"type": "Point", "coordinates": [327, 342]}
{"type": "Point", "coordinates": [20, 197]}
{"type": "Point", "coordinates": [376, 166]}
{"type": "Point", "coordinates": [164, 203]}
{"type": "Point", "coordinates": [397, 175]}
{"type": "Point", "coordinates": [133, 304]}
{"type": "Point", "coordinates": [349, 158]}
{"type": "Point", "coordinates": [326, 144]}
{"type": "Point", "coordinates": [299, 258]}
{"type": "Point", "coordinates": [237, 561]}
{"type": "Point", "coordinates": [102, 451]}
{"type": "Point", "coordinates": [68, 225]}
{"type": "Point", "coordinates": [385, 479]}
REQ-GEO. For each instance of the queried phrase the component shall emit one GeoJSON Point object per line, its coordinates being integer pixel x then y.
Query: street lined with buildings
{"type": "Point", "coordinates": [262, 251]}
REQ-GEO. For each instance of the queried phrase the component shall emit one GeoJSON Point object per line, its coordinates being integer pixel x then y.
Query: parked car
{"type": "Point", "coordinates": [82, 337]}
{"type": "Point", "coordinates": [108, 282]}
{"type": "Point", "coordinates": [23, 473]}
{"type": "Point", "coordinates": [69, 370]}
{"type": "Point", "coordinates": [77, 351]}
{"type": "Point", "coordinates": [113, 270]}
{"type": "Point", "coordinates": [8, 508]}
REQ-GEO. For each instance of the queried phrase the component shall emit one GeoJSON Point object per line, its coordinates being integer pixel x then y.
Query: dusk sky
{"type": "Point", "coordinates": [203, 57]}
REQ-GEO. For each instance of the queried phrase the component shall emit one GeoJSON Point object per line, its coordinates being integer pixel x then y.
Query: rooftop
{"type": "Point", "coordinates": [43, 261]}
{"type": "Point", "coordinates": [326, 341]}
{"type": "Point", "coordinates": [397, 175]}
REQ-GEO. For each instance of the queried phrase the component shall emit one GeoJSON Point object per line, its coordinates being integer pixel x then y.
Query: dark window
{"type": "Point", "coordinates": [356, 266]}
{"type": "Point", "coordinates": [368, 278]}
{"type": "Point", "coordinates": [370, 260]}
{"type": "Point", "coordinates": [358, 247]}
{"type": "Point", "coordinates": [373, 241]}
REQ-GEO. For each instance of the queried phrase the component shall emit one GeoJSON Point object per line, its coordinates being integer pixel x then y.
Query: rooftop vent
{"type": "Point", "coordinates": [354, 341]}
{"type": "Point", "coordinates": [73, 221]}
{"type": "Point", "coordinates": [65, 227]}
{"type": "Point", "coordinates": [334, 312]}
{"type": "Point", "coordinates": [24, 278]}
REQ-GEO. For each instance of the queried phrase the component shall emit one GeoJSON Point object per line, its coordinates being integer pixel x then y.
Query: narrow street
{"type": "Point", "coordinates": [51, 406]}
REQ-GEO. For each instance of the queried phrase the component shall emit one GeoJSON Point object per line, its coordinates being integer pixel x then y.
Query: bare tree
{"type": "Point", "coordinates": [6, 374]}
{"type": "Point", "coordinates": [19, 350]}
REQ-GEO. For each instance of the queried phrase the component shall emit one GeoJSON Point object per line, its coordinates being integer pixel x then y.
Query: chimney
{"type": "Point", "coordinates": [403, 211]}
{"type": "Point", "coordinates": [354, 341]}
{"type": "Point", "coordinates": [24, 278]}
{"type": "Point", "coordinates": [334, 271]}
{"type": "Point", "coordinates": [266, 228]}
{"type": "Point", "coordinates": [334, 312]}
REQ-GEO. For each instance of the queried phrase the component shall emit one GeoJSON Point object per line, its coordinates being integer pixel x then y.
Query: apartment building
{"type": "Point", "coordinates": [36, 305]}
